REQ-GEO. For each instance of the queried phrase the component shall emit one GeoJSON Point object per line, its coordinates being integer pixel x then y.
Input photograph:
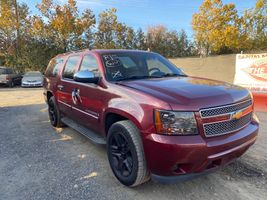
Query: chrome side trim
{"type": "Point", "coordinates": [64, 103]}
{"type": "Point", "coordinates": [86, 113]}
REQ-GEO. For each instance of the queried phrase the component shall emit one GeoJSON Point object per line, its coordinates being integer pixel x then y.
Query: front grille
{"type": "Point", "coordinates": [211, 112]}
{"type": "Point", "coordinates": [217, 128]}
{"type": "Point", "coordinates": [226, 127]}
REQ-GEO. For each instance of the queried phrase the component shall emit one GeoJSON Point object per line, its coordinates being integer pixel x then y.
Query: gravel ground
{"type": "Point", "coordinates": [40, 162]}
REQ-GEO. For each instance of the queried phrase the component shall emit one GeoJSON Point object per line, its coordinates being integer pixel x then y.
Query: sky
{"type": "Point", "coordinates": [174, 14]}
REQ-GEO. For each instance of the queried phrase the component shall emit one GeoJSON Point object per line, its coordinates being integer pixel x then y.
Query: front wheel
{"type": "Point", "coordinates": [126, 154]}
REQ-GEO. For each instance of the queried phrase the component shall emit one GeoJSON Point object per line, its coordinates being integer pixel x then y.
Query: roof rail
{"type": "Point", "coordinates": [77, 51]}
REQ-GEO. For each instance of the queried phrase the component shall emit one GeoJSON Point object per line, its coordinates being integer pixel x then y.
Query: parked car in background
{"type": "Point", "coordinates": [32, 79]}
{"type": "Point", "coordinates": [155, 120]}
{"type": "Point", "coordinates": [9, 77]}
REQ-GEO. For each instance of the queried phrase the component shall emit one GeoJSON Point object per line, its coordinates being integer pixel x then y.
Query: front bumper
{"type": "Point", "coordinates": [31, 84]}
{"type": "Point", "coordinates": [169, 156]}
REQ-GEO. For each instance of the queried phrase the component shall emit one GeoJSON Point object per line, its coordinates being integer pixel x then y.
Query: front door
{"type": "Point", "coordinates": [91, 96]}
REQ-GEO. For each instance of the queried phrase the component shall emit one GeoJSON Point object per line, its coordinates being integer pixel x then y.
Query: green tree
{"type": "Point", "coordinates": [140, 40]}
{"type": "Point", "coordinates": [255, 25]}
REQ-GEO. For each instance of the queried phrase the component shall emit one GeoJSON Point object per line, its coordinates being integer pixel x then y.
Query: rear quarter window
{"type": "Point", "coordinates": [54, 67]}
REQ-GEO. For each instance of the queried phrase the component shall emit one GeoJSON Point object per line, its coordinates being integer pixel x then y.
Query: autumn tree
{"type": "Point", "coordinates": [63, 24]}
{"type": "Point", "coordinates": [217, 27]}
{"type": "Point", "coordinates": [13, 26]}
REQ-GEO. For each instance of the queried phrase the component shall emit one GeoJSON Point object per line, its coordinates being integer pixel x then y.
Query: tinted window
{"type": "Point", "coordinates": [54, 67]}
{"type": "Point", "coordinates": [89, 63]}
{"type": "Point", "coordinates": [33, 74]}
{"type": "Point", "coordinates": [3, 71]}
{"type": "Point", "coordinates": [10, 71]}
{"type": "Point", "coordinates": [70, 67]}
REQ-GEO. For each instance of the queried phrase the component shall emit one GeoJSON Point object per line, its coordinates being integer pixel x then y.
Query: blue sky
{"type": "Point", "coordinates": [174, 14]}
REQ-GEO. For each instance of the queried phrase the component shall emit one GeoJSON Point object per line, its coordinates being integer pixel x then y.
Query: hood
{"type": "Point", "coordinates": [190, 93]}
{"type": "Point", "coordinates": [33, 79]}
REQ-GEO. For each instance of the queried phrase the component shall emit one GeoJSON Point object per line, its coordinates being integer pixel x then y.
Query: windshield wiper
{"type": "Point", "coordinates": [137, 77]}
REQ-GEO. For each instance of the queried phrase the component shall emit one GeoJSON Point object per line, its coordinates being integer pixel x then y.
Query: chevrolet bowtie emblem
{"type": "Point", "coordinates": [237, 114]}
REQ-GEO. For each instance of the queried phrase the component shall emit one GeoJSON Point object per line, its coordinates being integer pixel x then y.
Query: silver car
{"type": "Point", "coordinates": [32, 79]}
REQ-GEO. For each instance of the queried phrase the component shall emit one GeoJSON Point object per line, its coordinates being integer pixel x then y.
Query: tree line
{"type": "Point", "coordinates": [220, 29]}
{"type": "Point", "coordinates": [29, 41]}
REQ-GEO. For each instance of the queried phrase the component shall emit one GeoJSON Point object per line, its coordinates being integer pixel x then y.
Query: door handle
{"type": "Point", "coordinates": [60, 87]}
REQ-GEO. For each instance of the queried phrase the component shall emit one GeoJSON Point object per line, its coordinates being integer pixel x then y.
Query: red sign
{"type": "Point", "coordinates": [257, 71]}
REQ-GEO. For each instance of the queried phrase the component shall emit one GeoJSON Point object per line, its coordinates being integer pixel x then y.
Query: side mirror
{"type": "Point", "coordinates": [85, 77]}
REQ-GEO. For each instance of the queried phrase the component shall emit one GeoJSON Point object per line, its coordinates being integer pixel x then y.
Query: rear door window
{"type": "Point", "coordinates": [70, 67]}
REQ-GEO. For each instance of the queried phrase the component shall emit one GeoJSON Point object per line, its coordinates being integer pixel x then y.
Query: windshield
{"type": "Point", "coordinates": [138, 65]}
{"type": "Point", "coordinates": [33, 74]}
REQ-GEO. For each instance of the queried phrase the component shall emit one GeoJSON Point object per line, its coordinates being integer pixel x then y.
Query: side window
{"type": "Point", "coordinates": [89, 63]}
{"type": "Point", "coordinates": [54, 67]}
{"type": "Point", "coordinates": [71, 64]}
{"type": "Point", "coordinates": [9, 71]}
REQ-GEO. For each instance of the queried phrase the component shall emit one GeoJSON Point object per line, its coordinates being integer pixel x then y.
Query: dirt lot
{"type": "Point", "coordinates": [40, 162]}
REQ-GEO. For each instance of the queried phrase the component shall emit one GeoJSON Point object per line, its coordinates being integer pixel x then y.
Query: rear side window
{"type": "Point", "coordinates": [89, 63]}
{"type": "Point", "coordinates": [9, 71]}
{"type": "Point", "coordinates": [70, 67]}
{"type": "Point", "coordinates": [3, 71]}
{"type": "Point", "coordinates": [54, 67]}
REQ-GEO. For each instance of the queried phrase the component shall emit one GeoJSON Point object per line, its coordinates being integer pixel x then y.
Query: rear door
{"type": "Point", "coordinates": [67, 85]}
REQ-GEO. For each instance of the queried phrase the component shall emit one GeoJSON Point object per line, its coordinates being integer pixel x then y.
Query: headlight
{"type": "Point", "coordinates": [175, 123]}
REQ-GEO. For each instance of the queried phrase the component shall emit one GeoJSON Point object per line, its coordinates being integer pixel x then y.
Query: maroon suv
{"type": "Point", "coordinates": [155, 120]}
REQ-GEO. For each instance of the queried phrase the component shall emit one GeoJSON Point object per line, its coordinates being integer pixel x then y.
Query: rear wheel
{"type": "Point", "coordinates": [126, 154]}
{"type": "Point", "coordinates": [11, 84]}
{"type": "Point", "coordinates": [54, 114]}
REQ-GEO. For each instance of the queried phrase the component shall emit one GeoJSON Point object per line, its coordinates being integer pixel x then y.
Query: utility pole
{"type": "Point", "coordinates": [17, 32]}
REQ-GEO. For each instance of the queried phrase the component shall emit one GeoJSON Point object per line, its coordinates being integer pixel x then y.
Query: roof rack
{"type": "Point", "coordinates": [70, 52]}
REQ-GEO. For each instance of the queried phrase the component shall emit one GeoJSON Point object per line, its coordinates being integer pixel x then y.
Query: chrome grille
{"type": "Point", "coordinates": [226, 127]}
{"type": "Point", "coordinates": [211, 112]}
{"type": "Point", "coordinates": [230, 125]}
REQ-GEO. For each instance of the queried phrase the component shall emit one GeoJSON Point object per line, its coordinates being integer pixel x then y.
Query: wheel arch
{"type": "Point", "coordinates": [114, 115]}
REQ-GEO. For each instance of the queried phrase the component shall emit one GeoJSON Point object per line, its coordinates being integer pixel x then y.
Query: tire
{"type": "Point", "coordinates": [126, 154]}
{"type": "Point", "coordinates": [11, 84]}
{"type": "Point", "coordinates": [54, 114]}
